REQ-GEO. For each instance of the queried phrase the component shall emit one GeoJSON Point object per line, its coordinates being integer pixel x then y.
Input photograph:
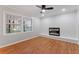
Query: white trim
{"type": "Point", "coordinates": [4, 24]}
{"type": "Point", "coordinates": [13, 13]}
{"type": "Point", "coordinates": [16, 14]}
{"type": "Point", "coordinates": [18, 42]}
{"type": "Point", "coordinates": [60, 38]}
{"type": "Point", "coordinates": [4, 21]}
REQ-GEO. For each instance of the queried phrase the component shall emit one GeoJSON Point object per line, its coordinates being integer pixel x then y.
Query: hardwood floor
{"type": "Point", "coordinates": [41, 45]}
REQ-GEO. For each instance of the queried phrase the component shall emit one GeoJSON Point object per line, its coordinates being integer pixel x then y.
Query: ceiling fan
{"type": "Point", "coordinates": [44, 8]}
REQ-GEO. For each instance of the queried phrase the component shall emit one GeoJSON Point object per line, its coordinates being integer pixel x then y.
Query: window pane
{"type": "Point", "coordinates": [13, 23]}
{"type": "Point", "coordinates": [27, 24]}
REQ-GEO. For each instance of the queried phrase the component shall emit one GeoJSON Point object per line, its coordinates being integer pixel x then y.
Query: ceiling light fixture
{"type": "Point", "coordinates": [64, 9]}
{"type": "Point", "coordinates": [43, 10]}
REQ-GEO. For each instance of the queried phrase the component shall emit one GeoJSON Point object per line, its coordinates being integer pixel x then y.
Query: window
{"type": "Point", "coordinates": [27, 24]}
{"type": "Point", "coordinates": [15, 23]}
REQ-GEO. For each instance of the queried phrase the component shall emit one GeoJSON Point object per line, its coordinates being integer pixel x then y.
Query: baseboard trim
{"type": "Point", "coordinates": [18, 41]}
{"type": "Point", "coordinates": [43, 35]}
{"type": "Point", "coordinates": [61, 38]}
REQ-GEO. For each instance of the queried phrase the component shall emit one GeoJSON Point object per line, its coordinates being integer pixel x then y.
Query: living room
{"type": "Point", "coordinates": [19, 23]}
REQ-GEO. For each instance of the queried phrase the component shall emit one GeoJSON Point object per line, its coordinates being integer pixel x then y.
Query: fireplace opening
{"type": "Point", "coordinates": [54, 31]}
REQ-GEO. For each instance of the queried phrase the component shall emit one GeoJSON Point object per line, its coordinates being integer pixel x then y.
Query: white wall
{"type": "Point", "coordinates": [77, 26]}
{"type": "Point", "coordinates": [66, 22]}
{"type": "Point", "coordinates": [7, 39]}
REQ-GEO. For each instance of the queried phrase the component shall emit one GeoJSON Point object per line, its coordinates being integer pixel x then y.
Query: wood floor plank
{"type": "Point", "coordinates": [41, 45]}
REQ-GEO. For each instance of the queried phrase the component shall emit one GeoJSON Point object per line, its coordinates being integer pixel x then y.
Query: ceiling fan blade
{"type": "Point", "coordinates": [38, 6]}
{"type": "Point", "coordinates": [49, 8]}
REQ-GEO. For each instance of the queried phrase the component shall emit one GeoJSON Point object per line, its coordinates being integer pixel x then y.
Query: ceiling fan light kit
{"type": "Point", "coordinates": [44, 8]}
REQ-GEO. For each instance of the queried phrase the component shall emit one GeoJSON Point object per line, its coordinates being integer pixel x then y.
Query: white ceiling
{"type": "Point", "coordinates": [32, 10]}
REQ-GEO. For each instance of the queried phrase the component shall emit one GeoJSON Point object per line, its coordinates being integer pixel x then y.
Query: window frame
{"type": "Point", "coordinates": [28, 18]}
{"type": "Point", "coordinates": [15, 14]}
